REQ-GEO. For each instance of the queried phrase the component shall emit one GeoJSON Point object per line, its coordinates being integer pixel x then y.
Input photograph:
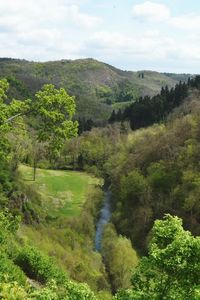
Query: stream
{"type": "Point", "coordinates": [105, 215]}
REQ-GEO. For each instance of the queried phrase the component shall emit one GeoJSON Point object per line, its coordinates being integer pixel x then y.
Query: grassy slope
{"type": "Point", "coordinates": [63, 191]}
{"type": "Point", "coordinates": [63, 194]}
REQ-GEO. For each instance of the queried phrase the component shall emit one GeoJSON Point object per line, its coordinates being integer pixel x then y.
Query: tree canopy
{"type": "Point", "coordinates": [171, 270]}
{"type": "Point", "coordinates": [52, 110]}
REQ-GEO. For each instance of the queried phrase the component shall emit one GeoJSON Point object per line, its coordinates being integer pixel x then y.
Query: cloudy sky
{"type": "Point", "coordinates": [129, 34]}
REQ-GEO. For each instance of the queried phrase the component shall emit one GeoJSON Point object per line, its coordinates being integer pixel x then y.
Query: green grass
{"type": "Point", "coordinates": [63, 192]}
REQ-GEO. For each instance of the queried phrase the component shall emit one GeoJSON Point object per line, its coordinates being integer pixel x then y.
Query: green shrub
{"type": "Point", "coordinates": [78, 291]}
{"type": "Point", "coordinates": [12, 291]}
{"type": "Point", "coordinates": [9, 270]}
{"type": "Point", "coordinates": [49, 292]}
{"type": "Point", "coordinates": [38, 266]}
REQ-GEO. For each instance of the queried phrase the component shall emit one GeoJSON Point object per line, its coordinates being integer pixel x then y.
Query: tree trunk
{"type": "Point", "coordinates": [34, 169]}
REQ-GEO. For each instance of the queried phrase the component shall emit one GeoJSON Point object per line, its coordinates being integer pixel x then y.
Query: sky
{"type": "Point", "coordinates": [128, 34]}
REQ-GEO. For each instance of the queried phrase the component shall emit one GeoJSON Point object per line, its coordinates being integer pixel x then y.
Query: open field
{"type": "Point", "coordinates": [63, 191]}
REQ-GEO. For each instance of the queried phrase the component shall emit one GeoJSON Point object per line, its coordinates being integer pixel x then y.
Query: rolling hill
{"type": "Point", "coordinates": [96, 85]}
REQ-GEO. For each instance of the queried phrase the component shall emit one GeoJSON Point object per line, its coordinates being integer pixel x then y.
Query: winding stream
{"type": "Point", "coordinates": [105, 216]}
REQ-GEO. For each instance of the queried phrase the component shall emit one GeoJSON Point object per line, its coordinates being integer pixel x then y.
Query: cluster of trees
{"type": "Point", "coordinates": [151, 171]}
{"type": "Point", "coordinates": [119, 257]}
{"type": "Point", "coordinates": [146, 111]}
{"type": "Point", "coordinates": [156, 174]}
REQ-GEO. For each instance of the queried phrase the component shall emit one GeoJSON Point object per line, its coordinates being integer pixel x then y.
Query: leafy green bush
{"type": "Point", "coordinates": [50, 292]}
{"type": "Point", "coordinates": [38, 266]}
{"type": "Point", "coordinates": [9, 270]}
{"type": "Point", "coordinates": [75, 291]}
{"type": "Point", "coordinates": [12, 291]}
{"type": "Point", "coordinates": [6, 183]}
{"type": "Point", "coordinates": [70, 291]}
{"type": "Point", "coordinates": [8, 226]}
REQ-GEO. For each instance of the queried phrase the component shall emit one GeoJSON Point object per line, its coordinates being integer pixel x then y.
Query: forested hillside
{"type": "Point", "coordinates": [48, 215]}
{"type": "Point", "coordinates": [151, 170]}
{"type": "Point", "coordinates": [96, 85]}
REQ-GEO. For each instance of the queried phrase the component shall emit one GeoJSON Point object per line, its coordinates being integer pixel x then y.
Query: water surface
{"type": "Point", "coordinates": [104, 218]}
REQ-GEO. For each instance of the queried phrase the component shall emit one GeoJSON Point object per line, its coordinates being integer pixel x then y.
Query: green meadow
{"type": "Point", "coordinates": [62, 192]}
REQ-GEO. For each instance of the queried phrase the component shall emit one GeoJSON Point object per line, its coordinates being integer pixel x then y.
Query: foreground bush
{"type": "Point", "coordinates": [38, 266]}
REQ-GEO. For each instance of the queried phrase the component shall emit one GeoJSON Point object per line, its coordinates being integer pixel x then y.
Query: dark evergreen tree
{"type": "Point", "coordinates": [112, 118]}
{"type": "Point", "coordinates": [148, 110]}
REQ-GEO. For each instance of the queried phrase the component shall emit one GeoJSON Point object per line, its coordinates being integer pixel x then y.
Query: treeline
{"type": "Point", "coordinates": [146, 111]}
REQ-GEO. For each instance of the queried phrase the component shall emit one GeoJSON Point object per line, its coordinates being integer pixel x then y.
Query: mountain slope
{"type": "Point", "coordinates": [96, 85]}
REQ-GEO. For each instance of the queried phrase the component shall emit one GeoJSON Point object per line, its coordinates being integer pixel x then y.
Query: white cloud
{"type": "Point", "coordinates": [151, 11]}
{"type": "Point", "coordinates": [43, 29]}
{"type": "Point", "coordinates": [43, 11]}
{"type": "Point", "coordinates": [150, 42]}
{"type": "Point", "coordinates": [81, 18]}
{"type": "Point", "coordinates": [152, 50]}
{"type": "Point", "coordinates": [154, 12]}
{"type": "Point", "coordinates": [186, 22]}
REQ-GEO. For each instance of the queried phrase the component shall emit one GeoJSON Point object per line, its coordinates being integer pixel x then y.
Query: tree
{"type": "Point", "coordinates": [171, 271]}
{"type": "Point", "coordinates": [133, 187]}
{"type": "Point", "coordinates": [51, 113]}
{"type": "Point", "coordinates": [119, 257]}
{"type": "Point", "coordinates": [54, 109]}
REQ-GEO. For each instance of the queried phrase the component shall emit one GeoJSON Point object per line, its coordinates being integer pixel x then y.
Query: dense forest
{"type": "Point", "coordinates": [146, 155]}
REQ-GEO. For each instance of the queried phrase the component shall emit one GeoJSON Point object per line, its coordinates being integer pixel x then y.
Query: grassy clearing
{"type": "Point", "coordinates": [63, 192]}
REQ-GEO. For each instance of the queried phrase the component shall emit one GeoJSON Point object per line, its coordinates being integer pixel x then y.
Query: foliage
{"type": "Point", "coordinates": [78, 291]}
{"type": "Point", "coordinates": [120, 258]}
{"type": "Point", "coordinates": [38, 266]}
{"type": "Point", "coordinates": [12, 291]}
{"type": "Point", "coordinates": [148, 110]}
{"type": "Point", "coordinates": [69, 291]}
{"type": "Point", "coordinates": [8, 227]}
{"type": "Point", "coordinates": [133, 187]}
{"type": "Point", "coordinates": [171, 270]}
{"type": "Point", "coordinates": [10, 271]}
{"type": "Point", "coordinates": [54, 109]}
{"type": "Point", "coordinates": [91, 151]}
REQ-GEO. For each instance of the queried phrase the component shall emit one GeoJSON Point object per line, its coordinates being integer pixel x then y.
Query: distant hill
{"type": "Point", "coordinates": [96, 85]}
